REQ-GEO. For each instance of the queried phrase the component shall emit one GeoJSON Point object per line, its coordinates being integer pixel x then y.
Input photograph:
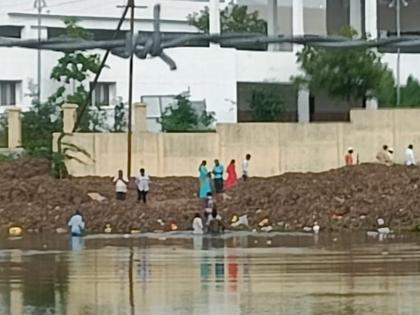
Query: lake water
{"type": "Point", "coordinates": [237, 274]}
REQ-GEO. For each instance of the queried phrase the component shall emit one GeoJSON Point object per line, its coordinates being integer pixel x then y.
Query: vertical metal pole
{"type": "Point", "coordinates": [398, 24]}
{"type": "Point", "coordinates": [130, 93]}
{"type": "Point", "coordinates": [39, 52]}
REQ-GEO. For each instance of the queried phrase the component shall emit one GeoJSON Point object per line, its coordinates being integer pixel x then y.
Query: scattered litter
{"type": "Point", "coordinates": [96, 197]}
{"type": "Point", "coordinates": [372, 233]}
{"type": "Point", "coordinates": [174, 227]}
{"type": "Point", "coordinates": [15, 231]}
{"type": "Point", "coordinates": [380, 221]}
{"type": "Point", "coordinates": [234, 219]}
{"type": "Point", "coordinates": [243, 220]}
{"type": "Point", "coordinates": [267, 228]}
{"type": "Point", "coordinates": [269, 242]}
{"type": "Point", "coordinates": [160, 221]}
{"type": "Point", "coordinates": [384, 230]}
{"type": "Point", "coordinates": [263, 222]}
{"type": "Point", "coordinates": [61, 231]}
{"type": "Point", "coordinates": [226, 197]}
{"type": "Point", "coordinates": [108, 229]}
{"type": "Point", "coordinates": [307, 229]}
{"type": "Point", "coordinates": [135, 231]}
{"type": "Point", "coordinates": [259, 211]}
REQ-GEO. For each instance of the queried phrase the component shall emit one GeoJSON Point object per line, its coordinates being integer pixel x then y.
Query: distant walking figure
{"type": "Point", "coordinates": [410, 158]}
{"type": "Point", "coordinates": [245, 167]}
{"type": "Point", "coordinates": [232, 178]}
{"type": "Point", "coordinates": [142, 183]}
{"type": "Point", "coordinates": [383, 156]}
{"type": "Point", "coordinates": [349, 157]}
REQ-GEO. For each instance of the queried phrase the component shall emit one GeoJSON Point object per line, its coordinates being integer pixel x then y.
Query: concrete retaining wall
{"type": "Point", "coordinates": [276, 148]}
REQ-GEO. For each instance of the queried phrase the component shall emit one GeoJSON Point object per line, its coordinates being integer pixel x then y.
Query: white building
{"type": "Point", "coordinates": [217, 76]}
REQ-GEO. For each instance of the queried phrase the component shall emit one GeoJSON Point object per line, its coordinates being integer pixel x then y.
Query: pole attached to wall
{"type": "Point", "coordinates": [39, 5]}
{"type": "Point", "coordinates": [130, 91]}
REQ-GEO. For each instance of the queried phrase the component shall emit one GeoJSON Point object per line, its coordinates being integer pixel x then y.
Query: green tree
{"type": "Point", "coordinates": [43, 119]}
{"type": "Point", "coordinates": [266, 106]}
{"type": "Point", "coordinates": [347, 74]}
{"type": "Point", "coordinates": [3, 130]}
{"type": "Point", "coordinates": [120, 117]}
{"type": "Point", "coordinates": [72, 70]}
{"type": "Point", "coordinates": [181, 116]}
{"type": "Point", "coordinates": [38, 126]}
{"type": "Point", "coordinates": [233, 19]}
{"type": "Point", "coordinates": [410, 93]}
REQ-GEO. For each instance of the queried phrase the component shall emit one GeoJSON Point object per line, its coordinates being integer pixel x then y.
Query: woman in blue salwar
{"type": "Point", "coordinates": [205, 180]}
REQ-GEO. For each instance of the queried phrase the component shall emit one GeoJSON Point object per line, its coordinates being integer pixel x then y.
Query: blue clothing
{"type": "Point", "coordinates": [218, 171]}
{"type": "Point", "coordinates": [77, 225]}
{"type": "Point", "coordinates": [205, 184]}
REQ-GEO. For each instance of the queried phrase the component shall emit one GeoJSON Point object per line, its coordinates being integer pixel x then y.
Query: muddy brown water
{"type": "Point", "coordinates": [236, 274]}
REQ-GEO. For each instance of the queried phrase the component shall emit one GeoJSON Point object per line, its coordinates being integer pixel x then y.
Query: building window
{"type": "Point", "coordinates": [10, 31]}
{"type": "Point", "coordinates": [104, 94]}
{"type": "Point", "coordinates": [8, 93]}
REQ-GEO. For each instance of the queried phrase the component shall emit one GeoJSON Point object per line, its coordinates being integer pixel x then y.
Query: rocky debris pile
{"type": "Point", "coordinates": [350, 198]}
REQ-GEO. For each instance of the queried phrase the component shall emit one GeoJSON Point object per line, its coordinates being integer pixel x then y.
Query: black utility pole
{"type": "Point", "coordinates": [131, 5]}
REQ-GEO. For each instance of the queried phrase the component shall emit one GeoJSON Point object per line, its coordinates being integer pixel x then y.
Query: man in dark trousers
{"type": "Point", "coordinates": [218, 171]}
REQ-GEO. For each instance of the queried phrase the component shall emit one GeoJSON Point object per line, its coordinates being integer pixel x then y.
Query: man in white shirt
{"type": "Point", "coordinates": [76, 224]}
{"type": "Point", "coordinates": [245, 167]}
{"type": "Point", "coordinates": [142, 182]}
{"type": "Point", "coordinates": [410, 158]}
{"type": "Point", "coordinates": [120, 186]}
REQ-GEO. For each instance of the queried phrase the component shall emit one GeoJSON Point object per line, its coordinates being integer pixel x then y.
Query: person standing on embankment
{"type": "Point", "coordinates": [218, 171]}
{"type": "Point", "coordinates": [120, 186]}
{"type": "Point", "coordinates": [410, 159]}
{"type": "Point", "coordinates": [383, 156]}
{"type": "Point", "coordinates": [245, 167]}
{"type": "Point", "coordinates": [143, 186]}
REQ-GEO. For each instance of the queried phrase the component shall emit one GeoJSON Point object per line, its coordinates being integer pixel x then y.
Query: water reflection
{"type": "Point", "coordinates": [77, 243]}
{"type": "Point", "coordinates": [208, 275]}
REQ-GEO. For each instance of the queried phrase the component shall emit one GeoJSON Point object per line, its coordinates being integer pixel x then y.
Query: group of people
{"type": "Point", "coordinates": [385, 156]}
{"type": "Point", "coordinates": [212, 220]}
{"type": "Point", "coordinates": [219, 184]}
{"type": "Point", "coordinates": [142, 182]}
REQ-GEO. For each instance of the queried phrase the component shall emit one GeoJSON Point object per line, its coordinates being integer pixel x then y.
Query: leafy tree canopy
{"type": "Point", "coordinates": [348, 74]}
{"type": "Point", "coordinates": [234, 18]}
{"type": "Point", "coordinates": [181, 116]}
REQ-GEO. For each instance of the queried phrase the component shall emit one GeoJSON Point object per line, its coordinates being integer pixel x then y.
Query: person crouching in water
{"type": "Point", "coordinates": [197, 225]}
{"type": "Point", "coordinates": [214, 223]}
{"type": "Point", "coordinates": [76, 224]}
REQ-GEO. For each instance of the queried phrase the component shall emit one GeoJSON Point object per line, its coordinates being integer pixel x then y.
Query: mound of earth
{"type": "Point", "coordinates": [350, 198]}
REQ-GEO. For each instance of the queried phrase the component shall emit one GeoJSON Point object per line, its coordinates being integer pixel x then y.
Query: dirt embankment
{"type": "Point", "coordinates": [350, 198]}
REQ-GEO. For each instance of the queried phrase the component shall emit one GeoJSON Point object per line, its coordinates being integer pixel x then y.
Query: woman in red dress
{"type": "Point", "coordinates": [232, 177]}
